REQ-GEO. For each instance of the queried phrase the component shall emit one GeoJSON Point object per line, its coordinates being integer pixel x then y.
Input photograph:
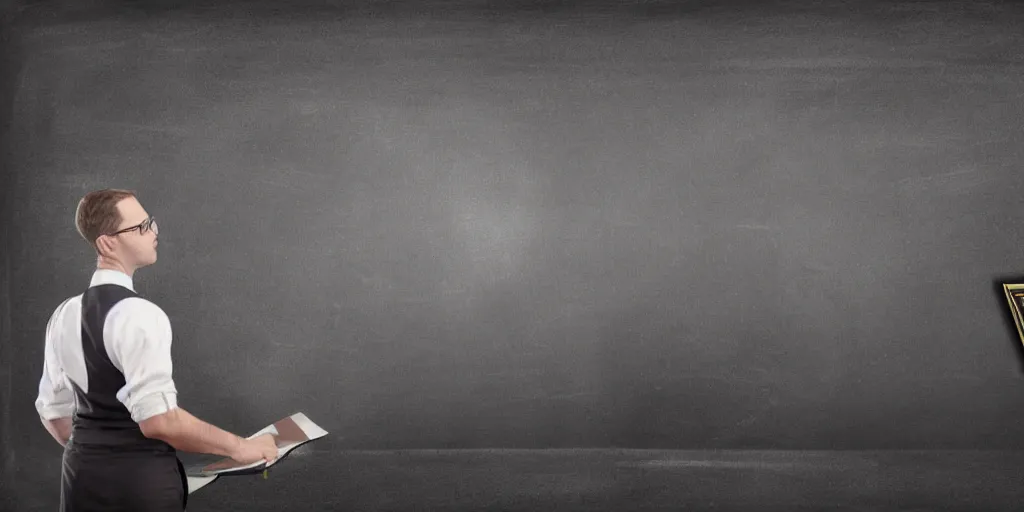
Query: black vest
{"type": "Point", "coordinates": [100, 418]}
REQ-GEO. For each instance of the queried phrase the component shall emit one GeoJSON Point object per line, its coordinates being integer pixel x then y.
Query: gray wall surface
{"type": "Point", "coordinates": [706, 228]}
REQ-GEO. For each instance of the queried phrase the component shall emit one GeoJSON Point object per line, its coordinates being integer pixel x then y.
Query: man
{"type": "Point", "coordinates": [106, 391]}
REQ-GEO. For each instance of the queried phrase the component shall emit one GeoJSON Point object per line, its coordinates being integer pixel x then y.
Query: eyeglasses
{"type": "Point", "coordinates": [143, 226]}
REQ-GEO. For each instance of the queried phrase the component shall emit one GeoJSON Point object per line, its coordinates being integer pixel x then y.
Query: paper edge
{"type": "Point", "coordinates": [312, 430]}
{"type": "Point", "coordinates": [198, 482]}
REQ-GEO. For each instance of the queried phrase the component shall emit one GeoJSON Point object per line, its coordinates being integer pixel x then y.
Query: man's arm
{"type": "Point", "coordinates": [55, 402]}
{"type": "Point", "coordinates": [180, 429]}
{"type": "Point", "coordinates": [140, 346]}
{"type": "Point", "coordinates": [59, 428]}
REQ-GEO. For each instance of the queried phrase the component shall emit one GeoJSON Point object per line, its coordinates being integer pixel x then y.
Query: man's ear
{"type": "Point", "coordinates": [104, 245]}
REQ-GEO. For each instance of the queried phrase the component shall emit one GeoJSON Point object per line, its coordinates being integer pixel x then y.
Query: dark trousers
{"type": "Point", "coordinates": [113, 479]}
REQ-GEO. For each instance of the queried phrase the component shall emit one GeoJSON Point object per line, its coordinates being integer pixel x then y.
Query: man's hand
{"type": "Point", "coordinates": [59, 428]}
{"type": "Point", "coordinates": [258, 448]}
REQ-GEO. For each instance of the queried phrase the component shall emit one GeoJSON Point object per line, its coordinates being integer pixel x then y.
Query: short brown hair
{"type": "Point", "coordinates": [97, 213]}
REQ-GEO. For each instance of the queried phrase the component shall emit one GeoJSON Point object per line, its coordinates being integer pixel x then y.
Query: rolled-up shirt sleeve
{"type": "Point", "coordinates": [55, 398]}
{"type": "Point", "coordinates": [141, 349]}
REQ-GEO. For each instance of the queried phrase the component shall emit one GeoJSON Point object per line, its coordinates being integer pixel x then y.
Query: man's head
{"type": "Point", "coordinates": [118, 228]}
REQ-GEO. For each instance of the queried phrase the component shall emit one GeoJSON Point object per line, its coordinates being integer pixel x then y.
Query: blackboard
{"type": "Point", "coordinates": [540, 231]}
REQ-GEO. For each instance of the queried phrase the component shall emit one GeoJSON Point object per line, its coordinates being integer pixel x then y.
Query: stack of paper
{"type": "Point", "coordinates": [289, 433]}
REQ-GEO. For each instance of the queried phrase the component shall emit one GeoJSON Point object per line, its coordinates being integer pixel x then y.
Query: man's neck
{"type": "Point", "coordinates": [102, 264]}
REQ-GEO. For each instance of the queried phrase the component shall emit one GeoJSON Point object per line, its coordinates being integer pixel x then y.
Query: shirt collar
{"type": "Point", "coordinates": [107, 276]}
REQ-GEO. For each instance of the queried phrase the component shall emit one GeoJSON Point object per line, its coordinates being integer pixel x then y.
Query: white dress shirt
{"type": "Point", "coordinates": [137, 338]}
